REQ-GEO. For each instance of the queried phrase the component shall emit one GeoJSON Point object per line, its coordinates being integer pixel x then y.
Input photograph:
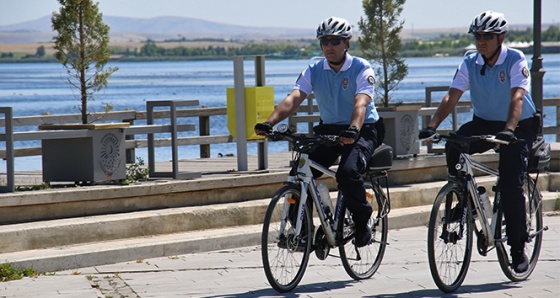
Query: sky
{"type": "Point", "coordinates": [417, 14]}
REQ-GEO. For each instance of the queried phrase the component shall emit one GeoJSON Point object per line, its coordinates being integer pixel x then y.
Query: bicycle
{"type": "Point", "coordinates": [458, 210]}
{"type": "Point", "coordinates": [289, 236]}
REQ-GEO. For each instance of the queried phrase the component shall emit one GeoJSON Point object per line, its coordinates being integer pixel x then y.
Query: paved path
{"type": "Point", "coordinates": [238, 273]}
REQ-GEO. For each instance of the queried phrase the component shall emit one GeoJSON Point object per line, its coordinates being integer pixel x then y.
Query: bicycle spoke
{"type": "Point", "coordinates": [534, 228]}
{"type": "Point", "coordinates": [449, 244]}
{"type": "Point", "coordinates": [284, 254]}
{"type": "Point", "coordinates": [363, 262]}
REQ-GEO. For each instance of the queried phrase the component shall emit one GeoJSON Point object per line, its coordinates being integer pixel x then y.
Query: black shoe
{"type": "Point", "coordinates": [363, 235]}
{"type": "Point", "coordinates": [519, 261]}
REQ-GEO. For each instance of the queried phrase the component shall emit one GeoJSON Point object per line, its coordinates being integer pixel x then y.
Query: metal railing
{"type": "Point", "coordinates": [306, 114]}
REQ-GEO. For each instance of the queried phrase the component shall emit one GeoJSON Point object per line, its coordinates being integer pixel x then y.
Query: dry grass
{"type": "Point", "coordinates": [25, 48]}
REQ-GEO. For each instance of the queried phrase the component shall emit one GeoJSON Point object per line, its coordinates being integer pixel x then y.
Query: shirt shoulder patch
{"type": "Point", "coordinates": [371, 80]}
{"type": "Point", "coordinates": [525, 72]}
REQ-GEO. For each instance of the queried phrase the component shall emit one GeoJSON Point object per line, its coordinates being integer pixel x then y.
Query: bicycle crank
{"type": "Point", "coordinates": [322, 247]}
{"type": "Point", "coordinates": [481, 244]}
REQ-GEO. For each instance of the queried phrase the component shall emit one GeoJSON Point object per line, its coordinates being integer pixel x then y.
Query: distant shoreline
{"type": "Point", "coordinates": [214, 58]}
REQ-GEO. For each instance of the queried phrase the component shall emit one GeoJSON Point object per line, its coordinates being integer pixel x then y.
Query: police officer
{"type": "Point", "coordinates": [498, 79]}
{"type": "Point", "coordinates": [344, 88]}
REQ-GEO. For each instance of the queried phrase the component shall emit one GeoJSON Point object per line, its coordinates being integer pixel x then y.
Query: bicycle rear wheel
{"type": "Point", "coordinates": [284, 255]}
{"type": "Point", "coordinates": [533, 205]}
{"type": "Point", "coordinates": [363, 262]}
{"type": "Point", "coordinates": [449, 242]}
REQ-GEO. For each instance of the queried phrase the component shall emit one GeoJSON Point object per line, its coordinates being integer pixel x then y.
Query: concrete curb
{"type": "Point", "coordinates": [122, 250]}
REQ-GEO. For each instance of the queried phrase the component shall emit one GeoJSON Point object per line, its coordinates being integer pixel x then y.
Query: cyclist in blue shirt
{"type": "Point", "coordinates": [344, 87]}
{"type": "Point", "coordinates": [498, 79]}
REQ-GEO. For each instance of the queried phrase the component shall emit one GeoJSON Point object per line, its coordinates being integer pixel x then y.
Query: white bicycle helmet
{"type": "Point", "coordinates": [489, 22]}
{"type": "Point", "coordinates": [334, 26]}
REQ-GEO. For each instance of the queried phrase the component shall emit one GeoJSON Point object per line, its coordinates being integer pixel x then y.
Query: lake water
{"type": "Point", "coordinates": [37, 88]}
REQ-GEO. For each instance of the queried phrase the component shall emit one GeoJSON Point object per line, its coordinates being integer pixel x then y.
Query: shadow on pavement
{"type": "Point", "coordinates": [300, 291]}
{"type": "Point", "coordinates": [464, 289]}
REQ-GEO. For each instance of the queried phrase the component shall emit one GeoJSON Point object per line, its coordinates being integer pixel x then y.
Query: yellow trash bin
{"type": "Point", "coordinates": [259, 104]}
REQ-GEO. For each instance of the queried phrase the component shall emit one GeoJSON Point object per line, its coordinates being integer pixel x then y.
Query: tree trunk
{"type": "Point", "coordinates": [82, 66]}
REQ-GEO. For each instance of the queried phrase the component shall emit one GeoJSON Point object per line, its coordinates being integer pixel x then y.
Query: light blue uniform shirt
{"type": "Point", "coordinates": [335, 91]}
{"type": "Point", "coordinates": [490, 93]}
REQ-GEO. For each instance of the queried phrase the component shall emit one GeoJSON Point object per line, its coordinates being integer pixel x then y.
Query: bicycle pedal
{"type": "Point", "coordinates": [382, 243]}
{"type": "Point", "coordinates": [500, 240]}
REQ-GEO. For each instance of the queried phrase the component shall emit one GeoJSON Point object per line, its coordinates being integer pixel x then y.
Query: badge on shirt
{"type": "Point", "coordinates": [525, 72]}
{"type": "Point", "coordinates": [502, 75]}
{"type": "Point", "coordinates": [371, 80]}
{"type": "Point", "coordinates": [344, 83]}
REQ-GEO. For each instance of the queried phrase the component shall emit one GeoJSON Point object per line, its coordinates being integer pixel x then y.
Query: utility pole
{"type": "Point", "coordinates": [537, 69]}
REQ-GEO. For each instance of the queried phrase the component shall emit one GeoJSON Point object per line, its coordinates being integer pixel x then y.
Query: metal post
{"type": "Point", "coordinates": [151, 144]}
{"type": "Point", "coordinates": [310, 111]}
{"type": "Point", "coordinates": [204, 127]}
{"type": "Point", "coordinates": [174, 142]}
{"type": "Point", "coordinates": [130, 153]}
{"type": "Point", "coordinates": [537, 70]}
{"type": "Point", "coordinates": [240, 126]}
{"type": "Point", "coordinates": [9, 133]}
{"type": "Point", "coordinates": [426, 119]}
{"type": "Point", "coordinates": [259, 71]}
{"type": "Point", "coordinates": [262, 146]}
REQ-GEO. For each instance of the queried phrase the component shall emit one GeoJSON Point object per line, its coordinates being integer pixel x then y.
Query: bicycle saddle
{"type": "Point", "coordinates": [382, 158]}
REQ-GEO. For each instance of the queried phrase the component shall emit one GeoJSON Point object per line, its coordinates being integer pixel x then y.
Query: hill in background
{"type": "Point", "coordinates": [158, 28]}
{"type": "Point", "coordinates": [125, 29]}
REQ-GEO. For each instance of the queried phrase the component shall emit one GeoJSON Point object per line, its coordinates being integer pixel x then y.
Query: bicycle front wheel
{"type": "Point", "coordinates": [363, 262]}
{"type": "Point", "coordinates": [533, 209]}
{"type": "Point", "coordinates": [449, 242]}
{"type": "Point", "coordinates": [284, 254]}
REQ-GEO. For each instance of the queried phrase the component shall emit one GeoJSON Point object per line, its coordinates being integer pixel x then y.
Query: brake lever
{"type": "Point", "coordinates": [492, 139]}
{"type": "Point", "coordinates": [435, 138]}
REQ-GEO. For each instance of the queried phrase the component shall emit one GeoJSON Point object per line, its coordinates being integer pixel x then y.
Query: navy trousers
{"type": "Point", "coordinates": [512, 166]}
{"type": "Point", "coordinates": [353, 163]}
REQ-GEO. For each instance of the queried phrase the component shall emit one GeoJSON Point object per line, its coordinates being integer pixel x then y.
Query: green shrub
{"type": "Point", "coordinates": [8, 272]}
{"type": "Point", "coordinates": [137, 172]}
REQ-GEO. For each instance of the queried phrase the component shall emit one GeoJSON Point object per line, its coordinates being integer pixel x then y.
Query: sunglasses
{"type": "Point", "coordinates": [484, 36]}
{"type": "Point", "coordinates": [332, 41]}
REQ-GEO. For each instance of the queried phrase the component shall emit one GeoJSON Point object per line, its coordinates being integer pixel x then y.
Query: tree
{"type": "Point", "coordinates": [81, 47]}
{"type": "Point", "coordinates": [380, 42]}
{"type": "Point", "coordinates": [40, 51]}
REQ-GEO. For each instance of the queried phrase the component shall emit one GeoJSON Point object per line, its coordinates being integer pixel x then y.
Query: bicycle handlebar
{"type": "Point", "coordinates": [303, 142]}
{"type": "Point", "coordinates": [455, 138]}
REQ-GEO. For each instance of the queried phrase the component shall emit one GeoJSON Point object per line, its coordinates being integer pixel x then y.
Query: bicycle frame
{"type": "Point", "coordinates": [304, 177]}
{"type": "Point", "coordinates": [465, 166]}
{"type": "Point", "coordinates": [449, 255]}
{"type": "Point", "coordinates": [289, 234]}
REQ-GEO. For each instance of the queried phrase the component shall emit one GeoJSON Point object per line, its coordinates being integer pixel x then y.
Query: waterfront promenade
{"type": "Point", "coordinates": [211, 250]}
{"type": "Point", "coordinates": [238, 272]}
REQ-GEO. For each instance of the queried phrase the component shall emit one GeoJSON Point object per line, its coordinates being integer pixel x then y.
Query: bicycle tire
{"type": "Point", "coordinates": [534, 223]}
{"type": "Point", "coordinates": [361, 263]}
{"type": "Point", "coordinates": [449, 255]}
{"type": "Point", "coordinates": [284, 260]}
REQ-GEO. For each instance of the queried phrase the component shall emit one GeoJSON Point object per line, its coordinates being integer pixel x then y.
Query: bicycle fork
{"type": "Point", "coordinates": [301, 205]}
{"type": "Point", "coordinates": [290, 202]}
